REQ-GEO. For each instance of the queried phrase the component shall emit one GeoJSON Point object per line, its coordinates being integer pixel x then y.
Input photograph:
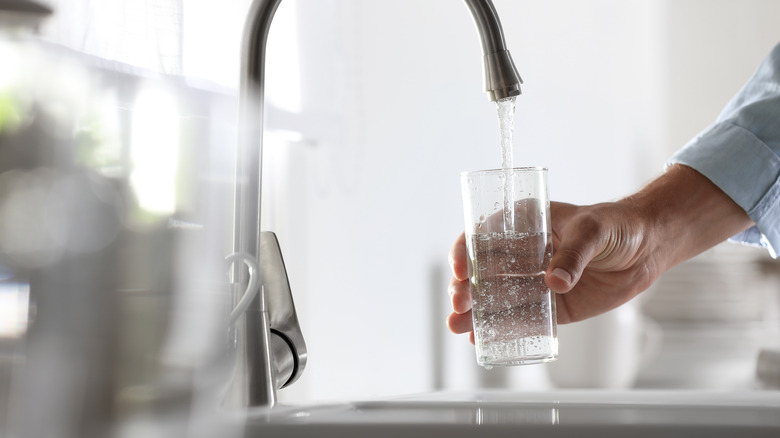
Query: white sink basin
{"type": "Point", "coordinates": [630, 414]}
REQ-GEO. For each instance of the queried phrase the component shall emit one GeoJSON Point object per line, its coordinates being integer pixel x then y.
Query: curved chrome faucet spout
{"type": "Point", "coordinates": [501, 77]}
{"type": "Point", "coordinates": [263, 345]}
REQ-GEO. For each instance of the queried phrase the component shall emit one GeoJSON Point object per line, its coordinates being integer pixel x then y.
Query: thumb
{"type": "Point", "coordinates": [575, 250]}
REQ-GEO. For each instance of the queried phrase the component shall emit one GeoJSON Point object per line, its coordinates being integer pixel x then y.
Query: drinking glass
{"type": "Point", "coordinates": [509, 242]}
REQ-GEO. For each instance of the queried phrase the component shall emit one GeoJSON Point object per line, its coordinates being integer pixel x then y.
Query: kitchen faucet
{"type": "Point", "coordinates": [270, 349]}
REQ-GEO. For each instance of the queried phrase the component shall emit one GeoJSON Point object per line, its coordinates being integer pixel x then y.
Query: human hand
{"type": "Point", "coordinates": [597, 264]}
{"type": "Point", "coordinates": [605, 254]}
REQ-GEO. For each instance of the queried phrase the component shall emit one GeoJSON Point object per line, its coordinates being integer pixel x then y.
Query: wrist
{"type": "Point", "coordinates": [683, 214]}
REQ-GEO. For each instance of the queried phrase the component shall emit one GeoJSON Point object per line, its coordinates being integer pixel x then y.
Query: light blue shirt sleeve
{"type": "Point", "coordinates": [740, 153]}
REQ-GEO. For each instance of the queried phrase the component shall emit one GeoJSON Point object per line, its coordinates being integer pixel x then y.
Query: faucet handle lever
{"type": "Point", "coordinates": [283, 320]}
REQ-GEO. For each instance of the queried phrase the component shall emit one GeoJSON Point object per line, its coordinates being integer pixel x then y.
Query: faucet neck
{"type": "Point", "coordinates": [254, 380]}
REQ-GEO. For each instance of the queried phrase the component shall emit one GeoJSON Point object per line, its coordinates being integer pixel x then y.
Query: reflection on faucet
{"type": "Point", "coordinates": [262, 344]}
{"type": "Point", "coordinates": [271, 316]}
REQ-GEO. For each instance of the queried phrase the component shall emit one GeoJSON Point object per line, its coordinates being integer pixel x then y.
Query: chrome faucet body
{"type": "Point", "coordinates": [271, 352]}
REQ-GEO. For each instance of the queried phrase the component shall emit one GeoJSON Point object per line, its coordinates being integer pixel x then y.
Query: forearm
{"type": "Point", "coordinates": [686, 214]}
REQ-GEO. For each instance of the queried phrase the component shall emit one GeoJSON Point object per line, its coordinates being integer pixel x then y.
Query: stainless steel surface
{"type": "Point", "coordinates": [501, 77]}
{"type": "Point", "coordinates": [22, 13]}
{"type": "Point", "coordinates": [63, 386]}
{"type": "Point", "coordinates": [245, 297]}
{"type": "Point", "coordinates": [253, 381]}
{"type": "Point", "coordinates": [501, 80]}
{"type": "Point", "coordinates": [768, 368]}
{"type": "Point", "coordinates": [581, 413]}
{"type": "Point", "coordinates": [288, 346]}
{"type": "Point", "coordinates": [270, 350]}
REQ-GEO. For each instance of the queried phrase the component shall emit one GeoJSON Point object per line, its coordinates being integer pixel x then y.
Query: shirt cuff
{"type": "Point", "coordinates": [747, 170]}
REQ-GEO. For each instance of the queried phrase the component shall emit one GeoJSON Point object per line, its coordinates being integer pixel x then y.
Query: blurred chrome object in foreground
{"type": "Point", "coordinates": [117, 277]}
{"type": "Point", "coordinates": [22, 14]}
{"type": "Point", "coordinates": [768, 368]}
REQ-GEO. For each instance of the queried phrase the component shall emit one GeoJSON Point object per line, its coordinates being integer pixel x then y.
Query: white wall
{"type": "Point", "coordinates": [711, 49]}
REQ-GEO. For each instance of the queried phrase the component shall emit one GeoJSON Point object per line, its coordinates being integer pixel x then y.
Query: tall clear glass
{"type": "Point", "coordinates": [509, 249]}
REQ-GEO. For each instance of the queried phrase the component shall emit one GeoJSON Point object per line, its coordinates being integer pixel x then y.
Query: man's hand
{"type": "Point", "coordinates": [605, 254]}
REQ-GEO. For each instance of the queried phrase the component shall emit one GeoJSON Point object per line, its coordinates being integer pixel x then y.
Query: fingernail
{"type": "Point", "coordinates": [562, 274]}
